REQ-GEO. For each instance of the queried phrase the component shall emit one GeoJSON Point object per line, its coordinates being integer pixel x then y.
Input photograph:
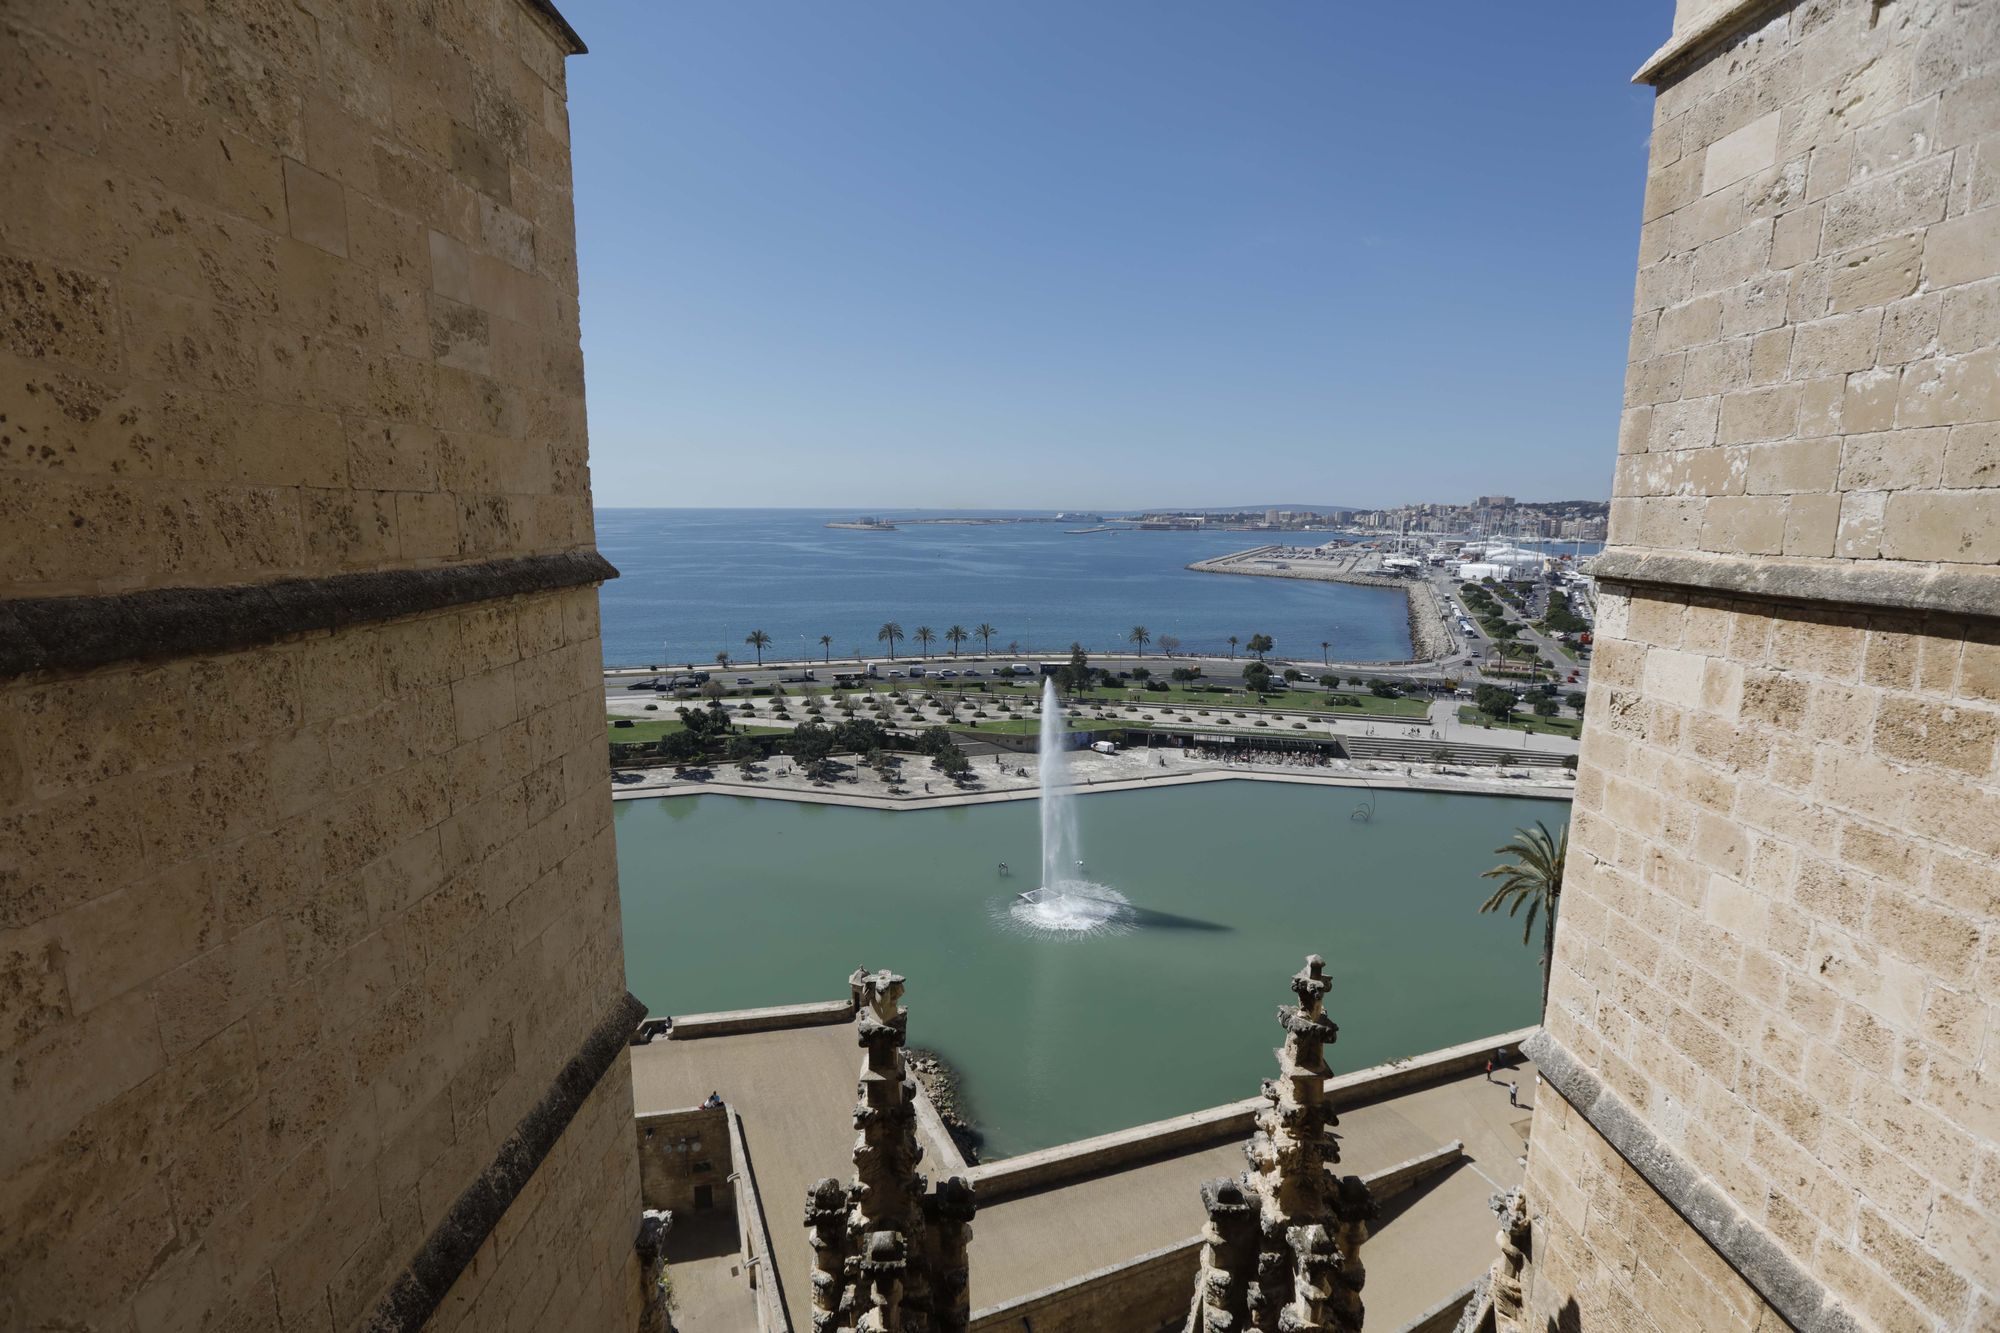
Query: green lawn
{"type": "Point", "coordinates": [651, 730]}
{"type": "Point", "coordinates": [1024, 726]}
{"type": "Point", "coordinates": [1549, 726]}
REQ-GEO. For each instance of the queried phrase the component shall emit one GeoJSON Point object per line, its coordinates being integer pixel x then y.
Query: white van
{"type": "Point", "coordinates": [1022, 669]}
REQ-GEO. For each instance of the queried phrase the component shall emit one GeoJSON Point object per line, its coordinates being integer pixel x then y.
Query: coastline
{"type": "Point", "coordinates": [1428, 639]}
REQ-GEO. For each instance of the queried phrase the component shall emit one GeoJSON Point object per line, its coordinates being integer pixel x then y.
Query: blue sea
{"type": "Point", "coordinates": [694, 582]}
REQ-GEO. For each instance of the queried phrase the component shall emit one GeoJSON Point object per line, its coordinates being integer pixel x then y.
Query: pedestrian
{"type": "Point", "coordinates": [1489, 1069]}
{"type": "Point", "coordinates": [1513, 1094]}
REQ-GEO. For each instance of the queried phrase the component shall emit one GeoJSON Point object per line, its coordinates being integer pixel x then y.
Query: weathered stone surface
{"type": "Point", "coordinates": [1772, 1111]}
{"type": "Point", "coordinates": [314, 997]}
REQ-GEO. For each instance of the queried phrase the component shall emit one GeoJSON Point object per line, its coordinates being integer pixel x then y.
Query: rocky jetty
{"type": "Point", "coordinates": [940, 1084]}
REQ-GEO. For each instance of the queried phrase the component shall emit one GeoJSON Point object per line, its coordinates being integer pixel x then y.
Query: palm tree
{"type": "Point", "coordinates": [986, 633]}
{"type": "Point", "coordinates": [888, 634]}
{"type": "Point", "coordinates": [1325, 647]}
{"type": "Point", "coordinates": [1533, 877]}
{"type": "Point", "coordinates": [1233, 641]}
{"type": "Point", "coordinates": [925, 635]}
{"type": "Point", "coordinates": [759, 640]}
{"type": "Point", "coordinates": [957, 635]}
{"type": "Point", "coordinates": [826, 643]}
{"type": "Point", "coordinates": [1140, 637]}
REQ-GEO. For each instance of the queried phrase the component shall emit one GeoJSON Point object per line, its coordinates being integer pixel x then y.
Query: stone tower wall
{"type": "Point", "coordinates": [1775, 1018]}
{"type": "Point", "coordinates": [312, 1011]}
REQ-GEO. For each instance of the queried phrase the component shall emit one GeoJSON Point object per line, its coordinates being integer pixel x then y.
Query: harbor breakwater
{"type": "Point", "coordinates": [1429, 639]}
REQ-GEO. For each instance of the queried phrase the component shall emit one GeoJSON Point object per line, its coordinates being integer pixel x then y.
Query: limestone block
{"type": "Point", "coordinates": [1836, 344]}
{"type": "Point", "coordinates": [1963, 249]}
{"type": "Point", "coordinates": [1881, 206]}
{"type": "Point", "coordinates": [315, 208]}
{"type": "Point", "coordinates": [1740, 153]}
{"type": "Point", "coordinates": [1950, 390]}
{"type": "Point", "coordinates": [1879, 273]}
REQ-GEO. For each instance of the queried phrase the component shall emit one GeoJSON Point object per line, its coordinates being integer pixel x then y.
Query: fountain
{"type": "Point", "coordinates": [1065, 902]}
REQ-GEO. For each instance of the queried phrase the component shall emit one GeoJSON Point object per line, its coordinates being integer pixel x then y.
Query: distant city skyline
{"type": "Point", "coordinates": [1123, 256]}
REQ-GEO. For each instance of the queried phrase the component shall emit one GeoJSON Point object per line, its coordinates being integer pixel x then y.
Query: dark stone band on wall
{"type": "Point", "coordinates": [1772, 1273]}
{"type": "Point", "coordinates": [79, 633]}
{"type": "Point", "coordinates": [415, 1296]}
{"type": "Point", "coordinates": [1886, 585]}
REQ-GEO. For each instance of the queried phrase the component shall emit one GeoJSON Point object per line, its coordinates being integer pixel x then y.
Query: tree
{"type": "Point", "coordinates": [955, 636]}
{"type": "Point", "coordinates": [826, 646]}
{"type": "Point", "coordinates": [812, 741]}
{"type": "Point", "coordinates": [759, 640]}
{"type": "Point", "coordinates": [1545, 708]}
{"type": "Point", "coordinates": [986, 633]}
{"type": "Point", "coordinates": [925, 636]}
{"type": "Point", "coordinates": [1534, 879]}
{"type": "Point", "coordinates": [1074, 676]}
{"type": "Point", "coordinates": [722, 659]}
{"type": "Point", "coordinates": [1140, 637]}
{"type": "Point", "coordinates": [1169, 644]}
{"type": "Point", "coordinates": [1259, 644]}
{"type": "Point", "coordinates": [953, 763]}
{"type": "Point", "coordinates": [888, 634]}
{"type": "Point", "coordinates": [1233, 641]}
{"type": "Point", "coordinates": [1494, 701]}
{"type": "Point", "coordinates": [1575, 700]}
{"type": "Point", "coordinates": [1325, 652]}
{"type": "Point", "coordinates": [744, 750]}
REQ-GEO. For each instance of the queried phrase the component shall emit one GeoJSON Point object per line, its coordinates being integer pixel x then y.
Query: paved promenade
{"type": "Point", "coordinates": [1129, 770]}
{"type": "Point", "coordinates": [794, 1089]}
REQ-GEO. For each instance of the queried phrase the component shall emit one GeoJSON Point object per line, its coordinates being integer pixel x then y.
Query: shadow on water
{"type": "Point", "coordinates": [1145, 918]}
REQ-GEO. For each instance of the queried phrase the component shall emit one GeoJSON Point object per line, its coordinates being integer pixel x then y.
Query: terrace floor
{"type": "Point", "coordinates": [794, 1088]}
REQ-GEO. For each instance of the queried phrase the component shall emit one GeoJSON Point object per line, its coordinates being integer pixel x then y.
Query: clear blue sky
{"type": "Point", "coordinates": [1092, 253]}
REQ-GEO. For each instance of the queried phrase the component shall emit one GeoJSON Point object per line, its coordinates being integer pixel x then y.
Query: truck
{"type": "Point", "coordinates": [1105, 747]}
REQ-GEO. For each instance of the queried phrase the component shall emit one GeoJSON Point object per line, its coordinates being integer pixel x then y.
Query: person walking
{"type": "Point", "coordinates": [1513, 1094]}
{"type": "Point", "coordinates": [1489, 1069]}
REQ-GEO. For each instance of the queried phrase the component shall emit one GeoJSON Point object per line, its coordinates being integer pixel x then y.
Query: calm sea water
{"type": "Point", "coordinates": [731, 902]}
{"type": "Point", "coordinates": [696, 581]}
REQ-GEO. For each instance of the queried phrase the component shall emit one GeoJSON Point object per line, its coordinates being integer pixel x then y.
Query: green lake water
{"type": "Point", "coordinates": [731, 902]}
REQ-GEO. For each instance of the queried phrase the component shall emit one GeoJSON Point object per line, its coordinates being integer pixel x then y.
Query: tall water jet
{"type": "Point", "coordinates": [1064, 902]}
{"type": "Point", "coordinates": [1060, 865]}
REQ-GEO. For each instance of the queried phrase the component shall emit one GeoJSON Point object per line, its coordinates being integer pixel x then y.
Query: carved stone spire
{"type": "Point", "coordinates": [888, 1251]}
{"type": "Point", "coordinates": [1282, 1249]}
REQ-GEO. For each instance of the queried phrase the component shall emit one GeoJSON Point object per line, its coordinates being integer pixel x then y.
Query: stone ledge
{"type": "Point", "coordinates": [1698, 37]}
{"type": "Point", "coordinates": [1956, 590]}
{"type": "Point", "coordinates": [81, 633]}
{"type": "Point", "coordinates": [414, 1296]}
{"type": "Point", "coordinates": [777, 1018]}
{"type": "Point", "coordinates": [1051, 1167]}
{"type": "Point", "coordinates": [1771, 1272]}
{"type": "Point", "coordinates": [573, 44]}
